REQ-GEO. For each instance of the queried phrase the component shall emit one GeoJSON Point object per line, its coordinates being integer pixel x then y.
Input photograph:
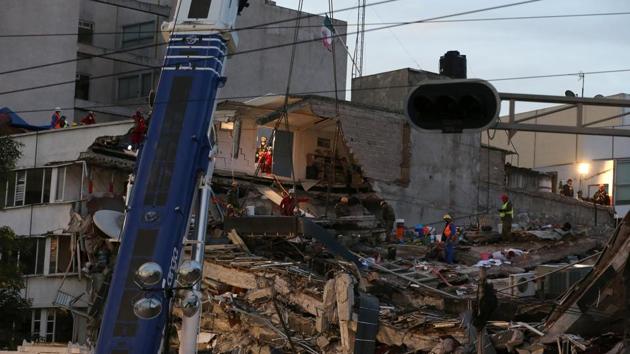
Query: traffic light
{"type": "Point", "coordinates": [453, 106]}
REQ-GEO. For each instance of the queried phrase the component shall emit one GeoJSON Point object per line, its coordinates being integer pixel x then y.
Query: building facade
{"type": "Point", "coordinates": [44, 201]}
{"type": "Point", "coordinates": [119, 48]}
{"type": "Point", "coordinates": [589, 161]}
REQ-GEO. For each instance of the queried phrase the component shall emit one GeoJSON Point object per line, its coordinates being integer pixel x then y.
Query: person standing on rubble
{"type": "Point", "coordinates": [506, 213]}
{"type": "Point", "coordinates": [388, 217]}
{"type": "Point", "coordinates": [233, 205]}
{"type": "Point", "coordinates": [342, 208]}
{"type": "Point", "coordinates": [449, 237]}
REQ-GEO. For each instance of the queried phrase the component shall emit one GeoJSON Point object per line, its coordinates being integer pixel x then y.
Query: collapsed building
{"type": "Point", "coordinates": [329, 280]}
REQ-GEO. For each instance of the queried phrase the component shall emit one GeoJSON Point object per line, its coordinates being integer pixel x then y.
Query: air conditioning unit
{"type": "Point", "coordinates": [558, 283]}
{"type": "Point", "coordinates": [525, 289]}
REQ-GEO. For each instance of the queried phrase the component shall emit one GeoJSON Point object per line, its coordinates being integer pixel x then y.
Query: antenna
{"type": "Point", "coordinates": [359, 46]}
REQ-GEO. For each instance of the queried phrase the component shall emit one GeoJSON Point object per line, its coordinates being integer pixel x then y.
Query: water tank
{"type": "Point", "coordinates": [453, 65]}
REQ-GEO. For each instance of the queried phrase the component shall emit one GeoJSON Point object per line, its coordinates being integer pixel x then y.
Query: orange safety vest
{"type": "Point", "coordinates": [448, 231]}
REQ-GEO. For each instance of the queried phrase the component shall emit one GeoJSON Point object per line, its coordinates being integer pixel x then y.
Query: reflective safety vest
{"type": "Point", "coordinates": [509, 211]}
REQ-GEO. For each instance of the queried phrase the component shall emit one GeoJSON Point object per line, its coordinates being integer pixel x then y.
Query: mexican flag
{"type": "Point", "coordinates": [327, 33]}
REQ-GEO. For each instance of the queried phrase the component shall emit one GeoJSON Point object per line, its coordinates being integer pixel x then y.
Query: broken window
{"type": "Point", "coordinates": [61, 260]}
{"type": "Point", "coordinates": [25, 187]}
{"type": "Point", "coordinates": [33, 255]}
{"type": "Point", "coordinates": [69, 181]}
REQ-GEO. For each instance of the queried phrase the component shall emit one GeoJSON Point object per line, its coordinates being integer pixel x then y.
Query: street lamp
{"type": "Point", "coordinates": [583, 169]}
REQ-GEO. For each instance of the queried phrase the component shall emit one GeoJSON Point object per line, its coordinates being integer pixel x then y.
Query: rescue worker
{"type": "Point", "coordinates": [388, 217]}
{"type": "Point", "coordinates": [233, 205]}
{"type": "Point", "coordinates": [342, 208]}
{"type": "Point", "coordinates": [449, 238]}
{"type": "Point", "coordinates": [55, 119]}
{"type": "Point", "coordinates": [139, 129]}
{"type": "Point", "coordinates": [288, 203]}
{"type": "Point", "coordinates": [506, 213]}
{"type": "Point", "coordinates": [262, 148]}
{"type": "Point", "coordinates": [289, 206]}
{"type": "Point", "coordinates": [88, 119]}
{"type": "Point", "coordinates": [63, 122]}
{"type": "Point", "coordinates": [601, 196]}
{"type": "Point", "coordinates": [567, 189]}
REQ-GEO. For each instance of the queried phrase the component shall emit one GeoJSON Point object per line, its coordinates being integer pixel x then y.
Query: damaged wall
{"type": "Point", "coordinates": [433, 175]}
{"type": "Point", "coordinates": [542, 206]}
{"type": "Point", "coordinates": [60, 145]}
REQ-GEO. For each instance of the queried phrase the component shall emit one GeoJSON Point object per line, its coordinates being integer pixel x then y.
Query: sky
{"type": "Point", "coordinates": [500, 49]}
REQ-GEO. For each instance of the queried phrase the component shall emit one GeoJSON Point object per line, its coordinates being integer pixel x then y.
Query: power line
{"type": "Point", "coordinates": [306, 93]}
{"type": "Point", "coordinates": [285, 44]}
{"type": "Point", "coordinates": [154, 45]}
{"type": "Point", "coordinates": [484, 19]}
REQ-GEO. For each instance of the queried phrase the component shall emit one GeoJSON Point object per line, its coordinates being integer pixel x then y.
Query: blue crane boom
{"type": "Point", "coordinates": [170, 165]}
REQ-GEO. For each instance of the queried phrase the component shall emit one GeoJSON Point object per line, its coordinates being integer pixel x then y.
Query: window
{"type": "Point", "coordinates": [82, 87]}
{"type": "Point", "coordinates": [25, 187]}
{"type": "Point", "coordinates": [61, 260]}
{"type": "Point", "coordinates": [32, 256]}
{"type": "Point", "coordinates": [36, 323]}
{"type": "Point", "coordinates": [199, 9]}
{"type": "Point", "coordinates": [51, 325]}
{"type": "Point", "coordinates": [135, 86]}
{"type": "Point", "coordinates": [138, 34]}
{"type": "Point", "coordinates": [622, 183]}
{"type": "Point", "coordinates": [86, 31]}
{"type": "Point", "coordinates": [69, 183]}
{"type": "Point", "coordinates": [128, 87]}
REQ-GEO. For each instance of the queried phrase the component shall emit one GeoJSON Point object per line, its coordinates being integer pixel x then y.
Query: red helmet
{"type": "Point", "coordinates": [505, 198]}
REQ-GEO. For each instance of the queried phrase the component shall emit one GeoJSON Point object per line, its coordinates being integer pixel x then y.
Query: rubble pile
{"type": "Point", "coordinates": [290, 291]}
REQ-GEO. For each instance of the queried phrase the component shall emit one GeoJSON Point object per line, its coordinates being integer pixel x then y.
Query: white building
{"type": "Point", "coordinates": [60, 171]}
{"type": "Point", "coordinates": [588, 160]}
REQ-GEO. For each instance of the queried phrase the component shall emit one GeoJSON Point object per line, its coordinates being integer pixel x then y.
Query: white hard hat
{"type": "Point", "coordinates": [57, 109]}
{"type": "Point", "coordinates": [292, 190]}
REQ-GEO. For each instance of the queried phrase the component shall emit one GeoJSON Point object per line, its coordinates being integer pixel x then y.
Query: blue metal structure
{"type": "Point", "coordinates": [173, 160]}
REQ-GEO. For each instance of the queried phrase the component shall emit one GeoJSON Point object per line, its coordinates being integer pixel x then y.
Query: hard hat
{"type": "Point", "coordinates": [344, 199]}
{"type": "Point", "coordinates": [292, 191]}
{"type": "Point", "coordinates": [447, 217]}
{"type": "Point", "coordinates": [57, 109]}
{"type": "Point", "coordinates": [504, 197]}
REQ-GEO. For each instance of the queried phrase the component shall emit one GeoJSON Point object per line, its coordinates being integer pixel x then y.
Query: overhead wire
{"type": "Point", "coordinates": [104, 55]}
{"type": "Point", "coordinates": [288, 44]}
{"type": "Point", "coordinates": [305, 93]}
{"type": "Point", "coordinates": [485, 19]}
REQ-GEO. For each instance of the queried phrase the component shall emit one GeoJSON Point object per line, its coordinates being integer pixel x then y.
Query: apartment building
{"type": "Point", "coordinates": [119, 49]}
{"type": "Point", "coordinates": [62, 176]}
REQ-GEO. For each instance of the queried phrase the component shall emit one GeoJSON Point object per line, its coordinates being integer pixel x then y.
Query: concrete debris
{"type": "Point", "coordinates": [261, 271]}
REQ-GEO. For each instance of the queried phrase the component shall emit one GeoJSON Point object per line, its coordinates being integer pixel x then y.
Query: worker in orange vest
{"type": "Point", "coordinates": [55, 119]}
{"type": "Point", "coordinates": [449, 237]}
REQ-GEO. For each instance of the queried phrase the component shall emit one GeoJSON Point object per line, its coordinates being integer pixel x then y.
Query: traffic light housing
{"type": "Point", "coordinates": [453, 106]}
